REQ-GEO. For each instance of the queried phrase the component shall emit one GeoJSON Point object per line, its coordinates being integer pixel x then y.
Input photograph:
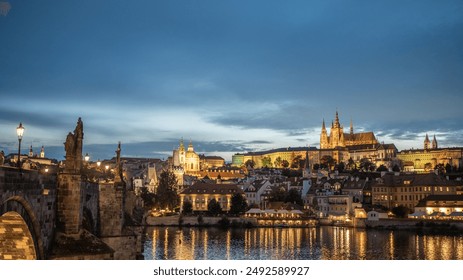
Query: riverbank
{"type": "Point", "coordinates": [194, 221]}
{"type": "Point", "coordinates": [414, 224]}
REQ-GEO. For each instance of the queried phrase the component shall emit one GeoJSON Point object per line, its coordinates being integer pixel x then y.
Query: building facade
{"type": "Point", "coordinates": [199, 194]}
{"type": "Point", "coordinates": [337, 137]}
{"type": "Point", "coordinates": [428, 158]}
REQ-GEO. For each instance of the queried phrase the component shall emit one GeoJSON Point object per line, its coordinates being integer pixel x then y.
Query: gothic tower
{"type": "Point", "coordinates": [324, 137]}
{"type": "Point", "coordinates": [42, 153]}
{"type": "Point", "coordinates": [31, 152]}
{"type": "Point", "coordinates": [434, 142]}
{"type": "Point", "coordinates": [427, 143]}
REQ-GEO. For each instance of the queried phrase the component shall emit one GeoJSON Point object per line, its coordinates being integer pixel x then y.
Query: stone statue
{"type": "Point", "coordinates": [73, 148]}
{"type": "Point", "coordinates": [119, 176]}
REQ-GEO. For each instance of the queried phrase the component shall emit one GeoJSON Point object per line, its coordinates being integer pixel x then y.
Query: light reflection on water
{"type": "Point", "coordinates": [323, 243]}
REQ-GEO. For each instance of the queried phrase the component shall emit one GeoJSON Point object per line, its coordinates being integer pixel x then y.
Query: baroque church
{"type": "Point", "coordinates": [187, 159]}
{"type": "Point", "coordinates": [338, 138]}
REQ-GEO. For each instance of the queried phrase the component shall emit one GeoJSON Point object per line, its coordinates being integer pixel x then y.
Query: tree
{"type": "Point", "coordinates": [316, 166]}
{"type": "Point", "coordinates": [213, 207]}
{"type": "Point", "coordinates": [448, 168]}
{"type": "Point", "coordinates": [284, 163]}
{"type": "Point", "coordinates": [327, 162]}
{"type": "Point", "coordinates": [396, 168]}
{"type": "Point", "coordinates": [400, 211]}
{"type": "Point", "coordinates": [366, 165]}
{"type": "Point", "coordinates": [294, 196]}
{"type": "Point", "coordinates": [382, 168]}
{"type": "Point", "coordinates": [277, 194]}
{"type": "Point", "coordinates": [187, 207]}
{"type": "Point", "coordinates": [277, 162]}
{"type": "Point", "coordinates": [351, 164]}
{"type": "Point", "coordinates": [340, 167]}
{"type": "Point", "coordinates": [266, 161]}
{"type": "Point", "coordinates": [296, 162]}
{"type": "Point", "coordinates": [238, 204]}
{"type": "Point", "coordinates": [166, 195]}
{"type": "Point", "coordinates": [147, 197]}
{"type": "Point", "coordinates": [250, 163]}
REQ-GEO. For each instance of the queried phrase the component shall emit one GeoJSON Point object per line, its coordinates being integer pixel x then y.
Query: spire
{"type": "Point", "coordinates": [434, 142]}
{"type": "Point", "coordinates": [42, 152]}
{"type": "Point", "coordinates": [336, 121]}
{"type": "Point", "coordinates": [31, 152]}
{"type": "Point", "coordinates": [181, 146]}
{"type": "Point", "coordinates": [190, 146]}
{"type": "Point", "coordinates": [427, 143]}
{"type": "Point", "coordinates": [323, 125]}
{"type": "Point", "coordinates": [351, 126]}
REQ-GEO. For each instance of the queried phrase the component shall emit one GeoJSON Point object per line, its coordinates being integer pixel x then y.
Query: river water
{"type": "Point", "coordinates": [321, 243]}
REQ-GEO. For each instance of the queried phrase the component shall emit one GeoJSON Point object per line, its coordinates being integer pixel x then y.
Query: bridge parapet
{"type": "Point", "coordinates": [32, 195]}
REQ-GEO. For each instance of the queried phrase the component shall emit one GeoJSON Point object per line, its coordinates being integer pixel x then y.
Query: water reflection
{"type": "Point", "coordinates": [326, 243]}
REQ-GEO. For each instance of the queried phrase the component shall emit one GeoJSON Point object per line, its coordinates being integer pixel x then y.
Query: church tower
{"type": "Point", "coordinates": [181, 153]}
{"type": "Point", "coordinates": [324, 137]}
{"type": "Point", "coordinates": [306, 171]}
{"type": "Point", "coordinates": [427, 143]}
{"type": "Point", "coordinates": [434, 142]}
{"type": "Point", "coordinates": [337, 134]}
{"type": "Point", "coordinates": [42, 153]}
{"type": "Point", "coordinates": [31, 152]}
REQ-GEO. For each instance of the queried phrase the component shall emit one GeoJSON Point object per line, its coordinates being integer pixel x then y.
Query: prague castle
{"type": "Point", "coordinates": [337, 137]}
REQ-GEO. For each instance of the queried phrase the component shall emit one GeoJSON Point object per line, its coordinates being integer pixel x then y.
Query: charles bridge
{"type": "Point", "coordinates": [63, 215]}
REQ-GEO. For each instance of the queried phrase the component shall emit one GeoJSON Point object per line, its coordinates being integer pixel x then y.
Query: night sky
{"type": "Point", "coordinates": [232, 76]}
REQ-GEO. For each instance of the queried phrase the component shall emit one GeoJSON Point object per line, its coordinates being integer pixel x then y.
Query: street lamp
{"type": "Point", "coordinates": [98, 163]}
{"type": "Point", "coordinates": [20, 133]}
{"type": "Point", "coordinates": [87, 157]}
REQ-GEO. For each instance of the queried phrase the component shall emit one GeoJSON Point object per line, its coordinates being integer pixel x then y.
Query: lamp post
{"type": "Point", "coordinates": [20, 133]}
{"type": "Point", "coordinates": [87, 157]}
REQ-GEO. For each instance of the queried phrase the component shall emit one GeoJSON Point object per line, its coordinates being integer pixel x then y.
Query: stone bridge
{"type": "Point", "coordinates": [27, 213]}
{"type": "Point", "coordinates": [62, 215]}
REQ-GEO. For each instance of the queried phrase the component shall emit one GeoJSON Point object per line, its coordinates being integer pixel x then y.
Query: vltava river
{"type": "Point", "coordinates": [323, 243]}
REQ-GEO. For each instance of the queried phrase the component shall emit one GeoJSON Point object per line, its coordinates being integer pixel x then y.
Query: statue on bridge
{"type": "Point", "coordinates": [73, 148]}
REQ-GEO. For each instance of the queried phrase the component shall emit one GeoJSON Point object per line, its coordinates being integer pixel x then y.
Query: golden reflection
{"type": "Point", "coordinates": [154, 242]}
{"type": "Point", "coordinates": [308, 243]}
{"type": "Point", "coordinates": [361, 243]}
{"type": "Point", "coordinates": [391, 245]}
{"type": "Point", "coordinates": [205, 239]}
{"type": "Point", "coordinates": [228, 244]}
{"type": "Point", "coordinates": [193, 243]}
{"type": "Point", "coordinates": [446, 248]}
{"type": "Point", "coordinates": [458, 248]}
{"type": "Point", "coordinates": [348, 245]}
{"type": "Point", "coordinates": [166, 243]}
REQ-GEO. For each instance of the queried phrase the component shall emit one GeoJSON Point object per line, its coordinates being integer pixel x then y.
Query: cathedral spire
{"type": "Point", "coordinates": [351, 126]}
{"type": "Point", "coordinates": [427, 143]}
{"type": "Point", "coordinates": [434, 142]}
{"type": "Point", "coordinates": [323, 125]}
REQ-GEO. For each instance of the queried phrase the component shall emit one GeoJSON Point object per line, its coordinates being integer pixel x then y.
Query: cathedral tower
{"type": "Point", "coordinates": [427, 143]}
{"type": "Point", "coordinates": [324, 137]}
{"type": "Point", "coordinates": [434, 142]}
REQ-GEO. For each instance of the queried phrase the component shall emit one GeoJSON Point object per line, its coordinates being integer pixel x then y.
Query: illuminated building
{"type": "Point", "coordinates": [337, 137]}
{"type": "Point", "coordinates": [441, 206]}
{"type": "Point", "coordinates": [426, 159]}
{"type": "Point", "coordinates": [199, 194]}
{"type": "Point", "coordinates": [207, 162]}
{"type": "Point", "coordinates": [407, 190]}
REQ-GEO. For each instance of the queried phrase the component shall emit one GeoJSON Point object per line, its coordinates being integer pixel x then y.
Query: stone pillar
{"type": "Point", "coordinates": [111, 210]}
{"type": "Point", "coordinates": [69, 203]}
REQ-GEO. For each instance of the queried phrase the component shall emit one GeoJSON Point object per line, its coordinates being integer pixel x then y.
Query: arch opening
{"type": "Point", "coordinates": [16, 242]}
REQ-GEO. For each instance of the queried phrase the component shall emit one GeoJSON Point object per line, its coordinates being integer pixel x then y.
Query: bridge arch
{"type": "Point", "coordinates": [19, 230]}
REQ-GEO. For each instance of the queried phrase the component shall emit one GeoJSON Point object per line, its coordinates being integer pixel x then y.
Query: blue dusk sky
{"type": "Point", "coordinates": [232, 76]}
